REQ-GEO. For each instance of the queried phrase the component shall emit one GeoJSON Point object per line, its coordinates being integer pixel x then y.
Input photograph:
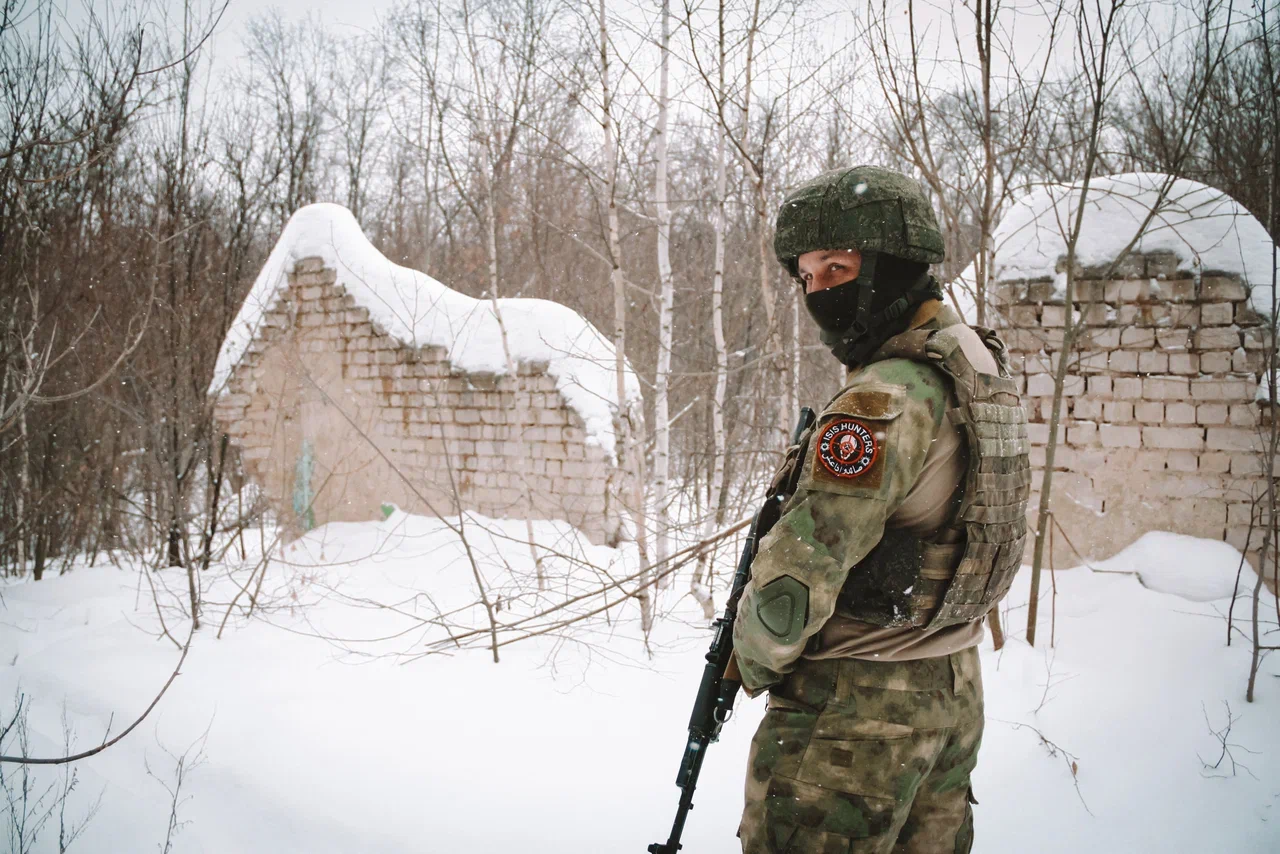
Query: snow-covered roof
{"type": "Point", "coordinates": [1205, 228]}
{"type": "Point", "coordinates": [419, 311]}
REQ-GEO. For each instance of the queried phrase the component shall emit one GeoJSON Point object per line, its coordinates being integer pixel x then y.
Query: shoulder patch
{"type": "Point", "coordinates": [846, 447]}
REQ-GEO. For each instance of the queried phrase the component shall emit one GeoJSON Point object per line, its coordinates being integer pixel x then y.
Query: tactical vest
{"type": "Point", "coordinates": [956, 575]}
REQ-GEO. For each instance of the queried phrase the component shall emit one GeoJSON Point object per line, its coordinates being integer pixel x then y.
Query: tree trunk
{"type": "Point", "coordinates": [628, 467]}
{"type": "Point", "coordinates": [662, 376]}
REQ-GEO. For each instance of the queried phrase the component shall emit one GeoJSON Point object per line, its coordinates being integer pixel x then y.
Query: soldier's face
{"type": "Point", "coordinates": [826, 268]}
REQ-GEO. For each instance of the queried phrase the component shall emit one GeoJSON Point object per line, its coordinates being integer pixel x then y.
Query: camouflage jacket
{"type": "Point", "coordinates": [865, 453]}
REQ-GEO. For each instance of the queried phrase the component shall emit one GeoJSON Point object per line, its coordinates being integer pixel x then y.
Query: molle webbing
{"type": "Point", "coordinates": [968, 566]}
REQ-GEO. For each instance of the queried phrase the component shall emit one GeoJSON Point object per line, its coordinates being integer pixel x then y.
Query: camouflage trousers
{"type": "Point", "coordinates": [866, 757]}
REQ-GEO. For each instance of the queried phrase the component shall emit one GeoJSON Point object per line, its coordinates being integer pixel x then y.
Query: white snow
{"type": "Point", "coordinates": [1192, 568]}
{"type": "Point", "coordinates": [572, 746]}
{"type": "Point", "coordinates": [1206, 229]}
{"type": "Point", "coordinates": [419, 311]}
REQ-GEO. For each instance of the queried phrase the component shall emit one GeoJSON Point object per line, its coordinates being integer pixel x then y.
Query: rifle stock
{"type": "Point", "coordinates": [713, 704]}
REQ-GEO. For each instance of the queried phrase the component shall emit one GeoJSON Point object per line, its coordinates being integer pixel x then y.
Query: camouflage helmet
{"type": "Point", "coordinates": [860, 207]}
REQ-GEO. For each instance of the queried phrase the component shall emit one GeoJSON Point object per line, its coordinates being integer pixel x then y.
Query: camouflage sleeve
{"type": "Point", "coordinates": [866, 452]}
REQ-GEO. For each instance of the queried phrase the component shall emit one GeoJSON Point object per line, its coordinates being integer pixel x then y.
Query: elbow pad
{"type": "Point", "coordinates": [782, 607]}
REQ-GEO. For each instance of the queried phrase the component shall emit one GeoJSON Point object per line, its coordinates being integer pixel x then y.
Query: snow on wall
{"type": "Point", "coordinates": [1206, 229]}
{"type": "Point", "coordinates": [419, 311]}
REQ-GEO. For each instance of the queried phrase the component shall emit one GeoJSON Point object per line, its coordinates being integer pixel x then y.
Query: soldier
{"type": "Point", "coordinates": [906, 524]}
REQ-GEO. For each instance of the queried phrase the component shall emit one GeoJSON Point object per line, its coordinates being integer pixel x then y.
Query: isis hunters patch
{"type": "Point", "coordinates": [846, 448]}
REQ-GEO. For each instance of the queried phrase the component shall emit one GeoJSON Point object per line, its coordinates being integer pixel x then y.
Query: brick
{"type": "Point", "coordinates": [1122, 291]}
{"type": "Point", "coordinates": [1151, 460]}
{"type": "Point", "coordinates": [1024, 315]}
{"type": "Point", "coordinates": [1155, 314]}
{"type": "Point", "coordinates": [1173, 339]}
{"type": "Point", "coordinates": [1241, 361]}
{"type": "Point", "coordinates": [1149, 412]}
{"type": "Point", "coordinates": [1044, 292]}
{"type": "Point", "coordinates": [1113, 436]}
{"type": "Point", "coordinates": [1099, 386]}
{"type": "Point", "coordinates": [1180, 413]}
{"type": "Point", "coordinates": [1211, 414]}
{"type": "Point", "coordinates": [1222, 288]}
{"type": "Point", "coordinates": [1181, 485]}
{"type": "Point", "coordinates": [1184, 316]}
{"type": "Point", "coordinates": [1022, 340]}
{"type": "Point", "coordinates": [1093, 314]}
{"type": "Point", "coordinates": [1245, 464]}
{"type": "Point", "coordinates": [1136, 338]}
{"type": "Point", "coordinates": [1040, 385]}
{"type": "Point", "coordinates": [1165, 388]}
{"type": "Point", "coordinates": [1089, 290]}
{"type": "Point", "coordinates": [1053, 315]}
{"type": "Point", "coordinates": [1215, 462]}
{"type": "Point", "coordinates": [1128, 388]}
{"type": "Point", "coordinates": [1153, 362]}
{"type": "Point", "coordinates": [1242, 415]}
{"type": "Point", "coordinates": [1104, 339]}
{"type": "Point", "coordinates": [1179, 290]}
{"type": "Point", "coordinates": [1131, 266]}
{"type": "Point", "coordinates": [1227, 388]}
{"type": "Point", "coordinates": [1183, 461]}
{"type": "Point", "coordinates": [1257, 339]}
{"type": "Point", "coordinates": [1084, 433]}
{"type": "Point", "coordinates": [1232, 439]}
{"type": "Point", "coordinates": [1117, 412]}
{"type": "Point", "coordinates": [1093, 363]}
{"type": "Point", "coordinates": [1187, 364]}
{"type": "Point", "coordinates": [1239, 513]}
{"type": "Point", "coordinates": [1086, 409]}
{"type": "Point", "coordinates": [1217, 314]}
{"type": "Point", "coordinates": [1218, 362]}
{"type": "Point", "coordinates": [1124, 362]}
{"type": "Point", "coordinates": [1081, 460]}
{"type": "Point", "coordinates": [1217, 338]}
{"type": "Point", "coordinates": [1161, 265]}
{"type": "Point", "coordinates": [1039, 433]}
{"type": "Point", "coordinates": [1173, 438]}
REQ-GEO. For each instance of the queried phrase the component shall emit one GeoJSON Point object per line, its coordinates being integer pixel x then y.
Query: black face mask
{"type": "Point", "coordinates": [838, 310]}
{"type": "Point", "coordinates": [834, 309]}
{"type": "Point", "coordinates": [853, 323]}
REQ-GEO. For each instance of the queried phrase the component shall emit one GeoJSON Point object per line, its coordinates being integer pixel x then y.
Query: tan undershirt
{"type": "Point", "coordinates": [928, 506]}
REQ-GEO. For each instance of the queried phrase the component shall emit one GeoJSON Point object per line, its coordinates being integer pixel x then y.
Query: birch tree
{"type": "Point", "coordinates": [630, 465]}
{"type": "Point", "coordinates": [715, 505]}
{"type": "Point", "coordinates": [666, 284]}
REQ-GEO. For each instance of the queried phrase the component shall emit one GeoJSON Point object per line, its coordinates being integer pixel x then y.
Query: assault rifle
{"type": "Point", "coordinates": [718, 689]}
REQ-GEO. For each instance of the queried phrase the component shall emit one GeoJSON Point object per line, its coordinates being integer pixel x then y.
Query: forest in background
{"type": "Point", "coordinates": [623, 159]}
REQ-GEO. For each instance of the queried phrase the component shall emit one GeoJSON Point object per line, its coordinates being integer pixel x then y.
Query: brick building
{"type": "Point", "coordinates": [350, 384]}
{"type": "Point", "coordinates": [1160, 422]}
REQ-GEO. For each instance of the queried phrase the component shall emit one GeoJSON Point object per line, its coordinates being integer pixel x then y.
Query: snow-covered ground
{"type": "Point", "coordinates": [1099, 743]}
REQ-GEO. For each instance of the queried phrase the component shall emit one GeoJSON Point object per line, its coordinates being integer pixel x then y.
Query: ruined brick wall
{"type": "Point", "coordinates": [1159, 424]}
{"type": "Point", "coordinates": [335, 419]}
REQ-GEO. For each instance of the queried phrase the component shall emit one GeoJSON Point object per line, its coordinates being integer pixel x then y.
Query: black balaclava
{"type": "Point", "coordinates": [856, 318]}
